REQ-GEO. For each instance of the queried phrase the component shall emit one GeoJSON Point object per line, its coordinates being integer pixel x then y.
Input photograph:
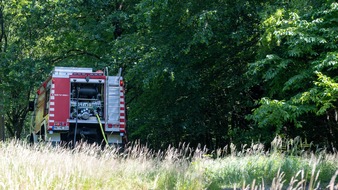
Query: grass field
{"type": "Point", "coordinates": [88, 167]}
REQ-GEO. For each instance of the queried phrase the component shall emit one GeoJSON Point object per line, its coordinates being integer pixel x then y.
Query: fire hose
{"type": "Point", "coordinates": [104, 136]}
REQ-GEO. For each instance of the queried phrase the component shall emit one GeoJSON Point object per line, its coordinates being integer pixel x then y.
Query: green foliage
{"type": "Point", "coordinates": [21, 66]}
{"type": "Point", "coordinates": [183, 80]}
{"type": "Point", "coordinates": [37, 35]}
{"type": "Point", "coordinates": [297, 64]}
{"type": "Point", "coordinates": [186, 64]}
{"type": "Point", "coordinates": [324, 94]}
{"type": "Point", "coordinates": [275, 113]}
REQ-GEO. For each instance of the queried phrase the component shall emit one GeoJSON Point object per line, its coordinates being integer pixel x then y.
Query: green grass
{"type": "Point", "coordinates": [87, 167]}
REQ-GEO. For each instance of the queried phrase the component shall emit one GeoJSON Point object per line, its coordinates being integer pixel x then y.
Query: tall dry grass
{"type": "Point", "coordinates": [88, 167]}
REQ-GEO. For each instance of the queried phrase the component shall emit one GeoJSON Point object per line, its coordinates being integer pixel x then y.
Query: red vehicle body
{"type": "Point", "coordinates": [78, 104]}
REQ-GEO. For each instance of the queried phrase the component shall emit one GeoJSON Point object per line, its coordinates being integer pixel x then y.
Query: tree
{"type": "Point", "coordinates": [19, 68]}
{"type": "Point", "coordinates": [185, 73]}
{"type": "Point", "coordinates": [37, 35]}
{"type": "Point", "coordinates": [298, 57]}
{"type": "Point", "coordinates": [3, 43]}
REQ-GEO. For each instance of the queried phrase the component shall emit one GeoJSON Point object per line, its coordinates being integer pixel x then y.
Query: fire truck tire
{"type": "Point", "coordinates": [42, 133]}
{"type": "Point", "coordinates": [31, 138]}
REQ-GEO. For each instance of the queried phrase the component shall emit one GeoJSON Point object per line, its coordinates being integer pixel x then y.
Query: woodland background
{"type": "Point", "coordinates": [204, 72]}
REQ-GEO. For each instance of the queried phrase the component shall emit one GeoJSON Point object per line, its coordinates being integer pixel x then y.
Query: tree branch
{"type": "Point", "coordinates": [75, 52]}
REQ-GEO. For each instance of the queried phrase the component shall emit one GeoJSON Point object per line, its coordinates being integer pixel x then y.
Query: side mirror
{"type": "Point", "coordinates": [31, 106]}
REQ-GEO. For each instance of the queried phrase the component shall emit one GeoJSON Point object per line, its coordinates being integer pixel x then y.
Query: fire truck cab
{"type": "Point", "coordinates": [75, 104]}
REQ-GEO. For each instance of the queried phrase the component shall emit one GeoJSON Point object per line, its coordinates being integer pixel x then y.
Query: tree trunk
{"type": "Point", "coordinates": [3, 47]}
{"type": "Point", "coordinates": [2, 123]}
{"type": "Point", "coordinates": [332, 127]}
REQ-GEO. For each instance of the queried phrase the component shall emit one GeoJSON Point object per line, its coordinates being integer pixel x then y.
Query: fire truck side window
{"type": "Point", "coordinates": [47, 97]}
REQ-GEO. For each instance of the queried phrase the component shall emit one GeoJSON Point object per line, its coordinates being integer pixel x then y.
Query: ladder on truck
{"type": "Point", "coordinates": [115, 111]}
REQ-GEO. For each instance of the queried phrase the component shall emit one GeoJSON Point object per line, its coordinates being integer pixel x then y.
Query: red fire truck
{"type": "Point", "coordinates": [76, 104]}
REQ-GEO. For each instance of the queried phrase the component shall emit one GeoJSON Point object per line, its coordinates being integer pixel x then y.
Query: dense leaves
{"type": "Point", "coordinates": [20, 65]}
{"type": "Point", "coordinates": [186, 81]}
{"type": "Point", "coordinates": [209, 72]}
{"type": "Point", "coordinates": [299, 72]}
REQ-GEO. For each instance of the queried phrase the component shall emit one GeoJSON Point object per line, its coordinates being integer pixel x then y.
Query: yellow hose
{"type": "Point", "coordinates": [104, 136]}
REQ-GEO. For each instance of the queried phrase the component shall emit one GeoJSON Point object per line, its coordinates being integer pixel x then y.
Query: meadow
{"type": "Point", "coordinates": [284, 166]}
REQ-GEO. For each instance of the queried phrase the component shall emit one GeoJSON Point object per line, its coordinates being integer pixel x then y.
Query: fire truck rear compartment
{"type": "Point", "coordinates": [86, 101]}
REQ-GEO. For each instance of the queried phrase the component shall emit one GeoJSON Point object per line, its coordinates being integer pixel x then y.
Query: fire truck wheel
{"type": "Point", "coordinates": [31, 138]}
{"type": "Point", "coordinates": [42, 133]}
